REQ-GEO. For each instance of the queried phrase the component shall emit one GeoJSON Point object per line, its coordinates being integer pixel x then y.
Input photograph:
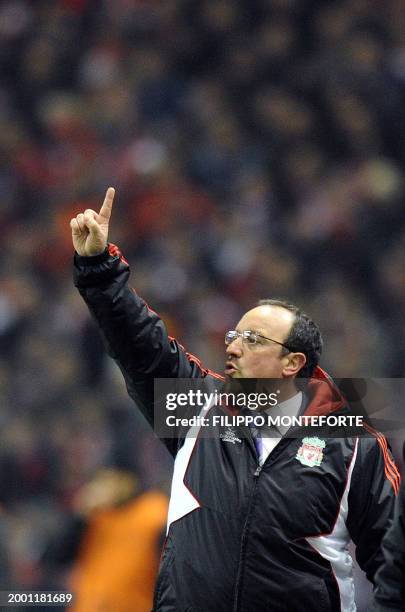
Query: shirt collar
{"type": "Point", "coordinates": [289, 407]}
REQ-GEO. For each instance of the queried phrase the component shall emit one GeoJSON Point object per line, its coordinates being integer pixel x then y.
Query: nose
{"type": "Point", "coordinates": [235, 348]}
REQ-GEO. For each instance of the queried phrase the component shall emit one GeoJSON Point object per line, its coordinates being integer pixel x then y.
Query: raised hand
{"type": "Point", "coordinates": [90, 229]}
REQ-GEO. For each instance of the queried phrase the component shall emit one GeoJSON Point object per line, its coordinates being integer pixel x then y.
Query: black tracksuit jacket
{"type": "Point", "coordinates": [390, 579]}
{"type": "Point", "coordinates": [243, 538]}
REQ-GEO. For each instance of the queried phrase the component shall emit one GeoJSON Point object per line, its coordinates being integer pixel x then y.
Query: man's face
{"type": "Point", "coordinates": [265, 359]}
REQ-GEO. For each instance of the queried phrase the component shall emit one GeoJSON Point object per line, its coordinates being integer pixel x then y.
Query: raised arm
{"type": "Point", "coordinates": [135, 335]}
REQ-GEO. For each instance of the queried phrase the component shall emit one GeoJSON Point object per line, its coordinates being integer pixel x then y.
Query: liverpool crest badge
{"type": "Point", "coordinates": [310, 453]}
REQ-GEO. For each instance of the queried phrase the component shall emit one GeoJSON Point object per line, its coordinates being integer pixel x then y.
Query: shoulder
{"type": "Point", "coordinates": [375, 457]}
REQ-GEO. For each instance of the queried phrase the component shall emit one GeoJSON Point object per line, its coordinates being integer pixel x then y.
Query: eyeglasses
{"type": "Point", "coordinates": [249, 337]}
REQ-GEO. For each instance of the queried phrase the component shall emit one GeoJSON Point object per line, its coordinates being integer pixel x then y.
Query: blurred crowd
{"type": "Point", "coordinates": [257, 148]}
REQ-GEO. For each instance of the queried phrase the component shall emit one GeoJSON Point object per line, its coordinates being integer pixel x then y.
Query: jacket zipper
{"type": "Point", "coordinates": [256, 474]}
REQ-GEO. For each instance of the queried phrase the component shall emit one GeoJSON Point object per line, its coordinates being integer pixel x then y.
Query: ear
{"type": "Point", "coordinates": [293, 363]}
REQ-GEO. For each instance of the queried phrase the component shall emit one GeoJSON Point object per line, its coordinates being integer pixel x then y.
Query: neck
{"type": "Point", "coordinates": [287, 390]}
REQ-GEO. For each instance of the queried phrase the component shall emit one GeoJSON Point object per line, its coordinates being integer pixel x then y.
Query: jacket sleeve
{"type": "Point", "coordinates": [390, 579]}
{"type": "Point", "coordinates": [135, 336]}
{"type": "Point", "coordinates": [374, 485]}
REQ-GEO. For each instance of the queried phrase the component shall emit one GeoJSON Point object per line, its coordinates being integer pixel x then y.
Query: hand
{"type": "Point", "coordinates": [90, 229]}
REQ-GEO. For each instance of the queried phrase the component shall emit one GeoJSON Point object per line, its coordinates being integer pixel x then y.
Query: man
{"type": "Point", "coordinates": [390, 579]}
{"type": "Point", "coordinates": [250, 528]}
{"type": "Point", "coordinates": [111, 540]}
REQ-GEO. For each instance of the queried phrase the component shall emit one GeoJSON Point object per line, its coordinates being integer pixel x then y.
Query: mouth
{"type": "Point", "coordinates": [230, 368]}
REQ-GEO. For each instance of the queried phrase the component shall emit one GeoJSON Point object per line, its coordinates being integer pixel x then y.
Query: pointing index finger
{"type": "Point", "coordinates": [105, 210]}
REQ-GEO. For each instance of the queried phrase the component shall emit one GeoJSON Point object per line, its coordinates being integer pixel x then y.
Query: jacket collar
{"type": "Point", "coordinates": [322, 394]}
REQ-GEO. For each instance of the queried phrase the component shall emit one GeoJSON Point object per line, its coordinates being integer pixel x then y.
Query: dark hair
{"type": "Point", "coordinates": [304, 337]}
